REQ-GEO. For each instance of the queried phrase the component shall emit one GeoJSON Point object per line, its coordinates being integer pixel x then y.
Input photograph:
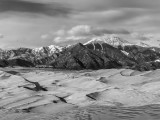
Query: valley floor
{"type": "Point", "coordinates": [113, 94]}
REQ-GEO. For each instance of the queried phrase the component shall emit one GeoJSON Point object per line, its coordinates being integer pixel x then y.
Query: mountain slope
{"type": "Point", "coordinates": [81, 57]}
{"type": "Point", "coordinates": [20, 62]}
{"type": "Point", "coordinates": [112, 40]}
{"type": "Point", "coordinates": [37, 56]}
{"type": "Point", "coordinates": [141, 54]}
{"type": "Point", "coordinates": [3, 63]}
{"type": "Point", "coordinates": [112, 53]}
{"type": "Point", "coordinates": [98, 53]}
{"type": "Point", "coordinates": [46, 51]}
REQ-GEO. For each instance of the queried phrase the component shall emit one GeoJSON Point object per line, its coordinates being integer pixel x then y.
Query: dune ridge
{"type": "Point", "coordinates": [79, 94]}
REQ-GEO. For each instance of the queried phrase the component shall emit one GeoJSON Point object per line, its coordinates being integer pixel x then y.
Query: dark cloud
{"type": "Point", "coordinates": [106, 17]}
{"type": "Point", "coordinates": [52, 9]}
{"type": "Point", "coordinates": [100, 5]}
{"type": "Point", "coordinates": [99, 32]}
{"type": "Point", "coordinates": [133, 3]}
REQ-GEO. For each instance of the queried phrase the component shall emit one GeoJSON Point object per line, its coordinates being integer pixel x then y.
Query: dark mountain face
{"type": "Point", "coordinates": [147, 66]}
{"type": "Point", "coordinates": [146, 57]}
{"type": "Point", "coordinates": [3, 63]}
{"type": "Point", "coordinates": [20, 62]}
{"type": "Point", "coordinates": [112, 53]}
{"type": "Point", "coordinates": [30, 57]}
{"type": "Point", "coordinates": [84, 57]}
{"type": "Point", "coordinates": [6, 54]}
{"type": "Point", "coordinates": [16, 62]}
{"type": "Point", "coordinates": [93, 55]}
{"type": "Point", "coordinates": [141, 54]}
{"type": "Point", "coordinates": [98, 56]}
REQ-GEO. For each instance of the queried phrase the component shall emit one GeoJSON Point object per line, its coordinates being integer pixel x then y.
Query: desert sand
{"type": "Point", "coordinates": [113, 94]}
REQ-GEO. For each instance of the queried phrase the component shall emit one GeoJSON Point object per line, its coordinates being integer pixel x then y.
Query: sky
{"type": "Point", "coordinates": [36, 23]}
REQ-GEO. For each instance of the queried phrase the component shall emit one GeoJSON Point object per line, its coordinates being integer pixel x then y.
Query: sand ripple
{"type": "Point", "coordinates": [116, 94]}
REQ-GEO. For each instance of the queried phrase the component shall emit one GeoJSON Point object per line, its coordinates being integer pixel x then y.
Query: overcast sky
{"type": "Point", "coordinates": [35, 23]}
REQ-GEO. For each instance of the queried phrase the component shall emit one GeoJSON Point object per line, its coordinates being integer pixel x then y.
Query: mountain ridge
{"type": "Point", "coordinates": [36, 56]}
{"type": "Point", "coordinates": [112, 40]}
{"type": "Point", "coordinates": [108, 52]}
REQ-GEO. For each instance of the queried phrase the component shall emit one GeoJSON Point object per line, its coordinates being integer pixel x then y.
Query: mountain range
{"type": "Point", "coordinates": [98, 53]}
{"type": "Point", "coordinates": [30, 57]}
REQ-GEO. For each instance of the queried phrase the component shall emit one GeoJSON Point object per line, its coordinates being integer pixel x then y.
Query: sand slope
{"type": "Point", "coordinates": [66, 94]}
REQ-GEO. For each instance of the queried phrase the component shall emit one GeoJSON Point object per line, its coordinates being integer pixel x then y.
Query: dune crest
{"type": "Point", "coordinates": [48, 92]}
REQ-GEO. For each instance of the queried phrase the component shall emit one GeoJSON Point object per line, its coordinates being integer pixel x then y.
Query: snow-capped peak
{"type": "Point", "coordinates": [49, 50]}
{"type": "Point", "coordinates": [95, 40]}
{"type": "Point", "coordinates": [54, 48]}
{"type": "Point", "coordinates": [38, 49]}
{"type": "Point", "coordinates": [113, 40]}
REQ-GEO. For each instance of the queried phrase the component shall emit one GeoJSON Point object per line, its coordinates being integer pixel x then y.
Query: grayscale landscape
{"type": "Point", "coordinates": [115, 94]}
{"type": "Point", "coordinates": [79, 60]}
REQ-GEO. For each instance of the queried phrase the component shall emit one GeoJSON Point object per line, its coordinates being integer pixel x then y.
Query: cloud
{"type": "Point", "coordinates": [70, 38]}
{"type": "Point", "coordinates": [76, 38]}
{"type": "Point", "coordinates": [60, 33]}
{"type": "Point", "coordinates": [51, 9]}
{"type": "Point", "coordinates": [100, 5]}
{"type": "Point", "coordinates": [33, 18]}
{"type": "Point", "coordinates": [86, 30]}
{"type": "Point", "coordinates": [134, 3]}
{"type": "Point", "coordinates": [82, 32]}
{"type": "Point", "coordinates": [142, 37]}
{"type": "Point", "coordinates": [45, 36]}
{"type": "Point", "coordinates": [58, 39]}
{"type": "Point", "coordinates": [1, 36]}
{"type": "Point", "coordinates": [112, 16]}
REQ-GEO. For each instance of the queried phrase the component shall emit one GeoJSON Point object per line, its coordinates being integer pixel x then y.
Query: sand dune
{"type": "Point", "coordinates": [107, 93]}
